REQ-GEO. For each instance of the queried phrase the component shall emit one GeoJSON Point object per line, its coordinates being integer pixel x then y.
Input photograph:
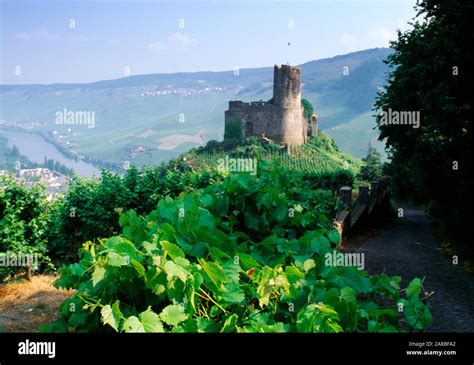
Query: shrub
{"type": "Point", "coordinates": [24, 219]}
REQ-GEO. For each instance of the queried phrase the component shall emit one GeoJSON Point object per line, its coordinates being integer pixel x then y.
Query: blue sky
{"type": "Point", "coordinates": [67, 41]}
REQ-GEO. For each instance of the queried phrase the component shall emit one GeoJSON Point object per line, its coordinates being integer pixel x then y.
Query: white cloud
{"type": "Point", "coordinates": [176, 41]}
{"type": "Point", "coordinates": [182, 40]}
{"type": "Point", "coordinates": [38, 35]}
{"type": "Point", "coordinates": [381, 36]}
{"type": "Point", "coordinates": [348, 40]}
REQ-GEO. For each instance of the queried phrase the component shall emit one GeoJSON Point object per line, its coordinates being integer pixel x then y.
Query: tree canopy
{"type": "Point", "coordinates": [431, 74]}
{"type": "Point", "coordinates": [308, 108]}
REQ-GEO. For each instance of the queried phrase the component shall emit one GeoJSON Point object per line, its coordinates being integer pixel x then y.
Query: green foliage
{"type": "Point", "coordinates": [323, 142]}
{"type": "Point", "coordinates": [372, 168]}
{"type": "Point", "coordinates": [233, 134]}
{"type": "Point", "coordinates": [57, 166]}
{"type": "Point", "coordinates": [91, 208]}
{"type": "Point", "coordinates": [243, 255]}
{"type": "Point", "coordinates": [332, 180]}
{"type": "Point", "coordinates": [317, 159]}
{"type": "Point", "coordinates": [9, 157]}
{"type": "Point", "coordinates": [432, 74]}
{"type": "Point", "coordinates": [308, 108]}
{"type": "Point", "coordinates": [24, 219]}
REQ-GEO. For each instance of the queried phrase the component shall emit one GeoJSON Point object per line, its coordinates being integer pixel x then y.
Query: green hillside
{"type": "Point", "coordinates": [163, 115]}
{"type": "Point", "coordinates": [319, 156]}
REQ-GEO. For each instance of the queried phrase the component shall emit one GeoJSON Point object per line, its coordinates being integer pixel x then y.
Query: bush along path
{"type": "Point", "coordinates": [407, 247]}
{"type": "Point", "coordinates": [243, 255]}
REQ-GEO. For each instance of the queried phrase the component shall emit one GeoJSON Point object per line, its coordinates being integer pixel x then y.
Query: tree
{"type": "Point", "coordinates": [15, 151]}
{"type": "Point", "coordinates": [372, 168]}
{"type": "Point", "coordinates": [308, 108]}
{"type": "Point", "coordinates": [233, 134]}
{"type": "Point", "coordinates": [24, 220]}
{"type": "Point", "coordinates": [432, 74]}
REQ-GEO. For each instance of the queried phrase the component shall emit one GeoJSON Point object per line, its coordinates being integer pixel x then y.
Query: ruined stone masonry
{"type": "Point", "coordinates": [280, 119]}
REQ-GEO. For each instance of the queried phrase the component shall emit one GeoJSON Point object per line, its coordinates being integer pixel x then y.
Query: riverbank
{"type": "Point", "coordinates": [35, 147]}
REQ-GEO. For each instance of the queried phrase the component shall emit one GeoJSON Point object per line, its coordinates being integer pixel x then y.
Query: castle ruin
{"type": "Point", "coordinates": [281, 119]}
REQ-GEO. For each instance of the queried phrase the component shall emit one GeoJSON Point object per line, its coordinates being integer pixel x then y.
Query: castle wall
{"type": "Point", "coordinates": [281, 119]}
{"type": "Point", "coordinates": [257, 118]}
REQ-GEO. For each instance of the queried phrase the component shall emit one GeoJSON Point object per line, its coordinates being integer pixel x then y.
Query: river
{"type": "Point", "coordinates": [35, 148]}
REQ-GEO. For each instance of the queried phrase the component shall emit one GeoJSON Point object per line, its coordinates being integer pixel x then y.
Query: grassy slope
{"type": "Point", "coordinates": [321, 154]}
{"type": "Point", "coordinates": [362, 127]}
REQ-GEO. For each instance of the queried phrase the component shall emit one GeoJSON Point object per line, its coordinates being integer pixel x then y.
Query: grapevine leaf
{"type": "Point", "coordinates": [344, 302]}
{"type": "Point", "coordinates": [151, 321]}
{"type": "Point", "coordinates": [414, 288]}
{"type": "Point", "coordinates": [247, 262]}
{"type": "Point", "coordinates": [293, 274]}
{"type": "Point", "coordinates": [173, 250]}
{"type": "Point", "coordinates": [230, 323]}
{"type": "Point", "coordinates": [205, 325]}
{"type": "Point", "coordinates": [207, 199]}
{"type": "Point", "coordinates": [320, 245]}
{"type": "Point", "coordinates": [122, 247]}
{"type": "Point", "coordinates": [214, 272]}
{"type": "Point", "coordinates": [349, 276]}
{"type": "Point", "coordinates": [168, 209]}
{"type": "Point", "coordinates": [417, 314]}
{"type": "Point", "coordinates": [76, 269]}
{"type": "Point", "coordinates": [174, 270]}
{"type": "Point", "coordinates": [150, 248]}
{"type": "Point", "coordinates": [139, 267]}
{"type": "Point", "coordinates": [98, 274]}
{"type": "Point", "coordinates": [233, 294]}
{"type": "Point", "coordinates": [173, 315]}
{"type": "Point", "coordinates": [133, 324]}
{"type": "Point", "coordinates": [309, 264]}
{"type": "Point", "coordinates": [156, 281]}
{"type": "Point", "coordinates": [111, 315]}
{"type": "Point", "coordinates": [114, 259]}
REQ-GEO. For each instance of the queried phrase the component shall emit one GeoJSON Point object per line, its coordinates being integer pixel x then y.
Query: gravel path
{"type": "Point", "coordinates": [407, 247]}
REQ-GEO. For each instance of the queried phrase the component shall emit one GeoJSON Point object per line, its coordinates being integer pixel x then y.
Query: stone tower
{"type": "Point", "coordinates": [287, 86]}
{"type": "Point", "coordinates": [287, 102]}
{"type": "Point", "coordinates": [280, 119]}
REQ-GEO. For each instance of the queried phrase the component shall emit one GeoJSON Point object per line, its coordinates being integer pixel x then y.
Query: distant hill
{"type": "Point", "coordinates": [150, 118]}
